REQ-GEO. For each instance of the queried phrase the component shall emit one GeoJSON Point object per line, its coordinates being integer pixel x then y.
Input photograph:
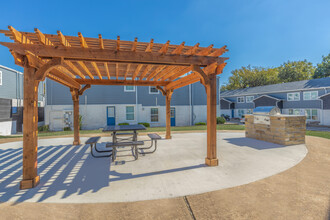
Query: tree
{"type": "Point", "coordinates": [251, 77]}
{"type": "Point", "coordinates": [295, 71]}
{"type": "Point", "coordinates": [323, 69]}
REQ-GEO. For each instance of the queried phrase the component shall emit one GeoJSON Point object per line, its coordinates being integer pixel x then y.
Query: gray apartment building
{"type": "Point", "coordinates": [307, 97]}
{"type": "Point", "coordinates": [111, 105]}
{"type": "Point", "coordinates": [11, 101]}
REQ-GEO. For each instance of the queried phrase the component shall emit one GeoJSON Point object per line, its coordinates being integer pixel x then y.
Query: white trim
{"type": "Point", "coordinates": [324, 95]}
{"type": "Point", "coordinates": [246, 98]}
{"type": "Point", "coordinates": [240, 97]}
{"type": "Point", "coordinates": [7, 68]}
{"type": "Point", "coordinates": [125, 90]}
{"type": "Point", "coordinates": [310, 95]}
{"type": "Point", "coordinates": [153, 92]}
{"type": "Point", "coordinates": [268, 97]}
{"type": "Point", "coordinates": [287, 97]}
{"type": "Point", "coordinates": [1, 78]}
{"type": "Point", "coordinates": [126, 112]}
{"type": "Point", "coordinates": [311, 110]}
{"type": "Point", "coordinates": [157, 115]}
{"type": "Point", "coordinates": [226, 100]}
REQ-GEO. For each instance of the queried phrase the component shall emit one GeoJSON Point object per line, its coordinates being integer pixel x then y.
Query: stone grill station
{"type": "Point", "coordinates": [268, 124]}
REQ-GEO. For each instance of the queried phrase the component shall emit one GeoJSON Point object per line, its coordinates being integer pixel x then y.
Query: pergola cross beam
{"type": "Point", "coordinates": [74, 61]}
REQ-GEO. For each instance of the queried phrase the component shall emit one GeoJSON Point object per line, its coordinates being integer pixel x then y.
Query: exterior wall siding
{"type": "Point", "coordinates": [58, 94]}
{"type": "Point", "coordinates": [95, 116]}
{"type": "Point", "coordinates": [265, 101]}
{"type": "Point", "coordinates": [12, 84]}
{"type": "Point", "coordinates": [326, 102]}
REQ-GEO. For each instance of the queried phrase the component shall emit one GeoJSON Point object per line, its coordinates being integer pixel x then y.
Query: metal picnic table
{"type": "Point", "coordinates": [117, 130]}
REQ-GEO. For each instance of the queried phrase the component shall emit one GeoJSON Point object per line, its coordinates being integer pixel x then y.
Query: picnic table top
{"type": "Point", "coordinates": [113, 128]}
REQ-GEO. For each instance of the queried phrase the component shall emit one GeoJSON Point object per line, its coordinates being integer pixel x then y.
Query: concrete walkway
{"type": "Point", "coordinates": [70, 175]}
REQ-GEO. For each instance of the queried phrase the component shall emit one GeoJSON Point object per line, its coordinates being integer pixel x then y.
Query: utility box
{"type": "Point", "coordinates": [268, 124]}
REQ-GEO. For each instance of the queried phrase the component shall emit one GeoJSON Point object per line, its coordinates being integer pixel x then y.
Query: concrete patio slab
{"type": "Point", "coordinates": [69, 174]}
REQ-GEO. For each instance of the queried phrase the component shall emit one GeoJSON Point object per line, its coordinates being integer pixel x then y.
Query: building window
{"type": "Point", "coordinates": [311, 114]}
{"type": "Point", "coordinates": [0, 78]}
{"type": "Point", "coordinates": [129, 89]}
{"type": "Point", "coordinates": [294, 112]}
{"type": "Point", "coordinates": [249, 98]}
{"type": "Point", "coordinates": [154, 114]}
{"type": "Point", "coordinates": [295, 96]}
{"type": "Point", "coordinates": [311, 95]}
{"type": "Point", "coordinates": [153, 90]}
{"type": "Point", "coordinates": [249, 111]}
{"type": "Point", "coordinates": [130, 113]}
{"type": "Point", "coordinates": [241, 113]}
{"type": "Point", "coordinates": [240, 99]}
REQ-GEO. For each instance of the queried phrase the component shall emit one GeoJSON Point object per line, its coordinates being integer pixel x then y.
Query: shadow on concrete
{"type": "Point", "coordinates": [252, 143]}
{"type": "Point", "coordinates": [64, 170]}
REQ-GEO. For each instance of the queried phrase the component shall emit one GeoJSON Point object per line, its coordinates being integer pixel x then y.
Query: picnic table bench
{"type": "Point", "coordinates": [153, 139]}
{"type": "Point", "coordinates": [93, 141]}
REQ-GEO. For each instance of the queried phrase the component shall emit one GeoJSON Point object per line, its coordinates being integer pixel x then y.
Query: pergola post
{"type": "Point", "coordinates": [30, 129]}
{"type": "Point", "coordinates": [168, 113]}
{"type": "Point", "coordinates": [211, 92]}
{"type": "Point", "coordinates": [75, 99]}
{"type": "Point", "coordinates": [110, 62]}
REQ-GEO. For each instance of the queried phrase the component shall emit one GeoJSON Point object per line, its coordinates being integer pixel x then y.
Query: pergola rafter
{"type": "Point", "coordinates": [74, 61]}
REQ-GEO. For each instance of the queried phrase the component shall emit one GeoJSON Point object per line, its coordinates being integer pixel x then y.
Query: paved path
{"type": "Point", "coordinates": [301, 192]}
{"type": "Point", "coordinates": [69, 174]}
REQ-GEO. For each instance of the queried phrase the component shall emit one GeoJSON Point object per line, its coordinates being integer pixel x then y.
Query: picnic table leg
{"type": "Point", "coordinates": [114, 139]}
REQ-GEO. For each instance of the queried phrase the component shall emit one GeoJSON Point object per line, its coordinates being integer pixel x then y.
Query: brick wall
{"type": "Point", "coordinates": [283, 129]}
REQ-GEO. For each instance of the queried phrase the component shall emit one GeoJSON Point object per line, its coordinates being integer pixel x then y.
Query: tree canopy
{"type": "Point", "coordinates": [251, 77]}
{"type": "Point", "coordinates": [323, 69]}
{"type": "Point", "coordinates": [289, 71]}
{"type": "Point", "coordinates": [295, 71]}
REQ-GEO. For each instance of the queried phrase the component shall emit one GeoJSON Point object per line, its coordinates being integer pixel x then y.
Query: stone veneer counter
{"type": "Point", "coordinates": [283, 129]}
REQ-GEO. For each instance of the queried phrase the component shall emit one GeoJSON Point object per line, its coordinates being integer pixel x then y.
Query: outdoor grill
{"type": "Point", "coordinates": [268, 124]}
{"type": "Point", "coordinates": [262, 114]}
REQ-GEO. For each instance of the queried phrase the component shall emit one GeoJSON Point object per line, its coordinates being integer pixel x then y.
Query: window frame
{"type": "Point", "coordinates": [126, 90]}
{"type": "Point", "coordinates": [242, 98]}
{"type": "Point", "coordinates": [294, 110]}
{"type": "Point", "coordinates": [292, 93]}
{"type": "Point", "coordinates": [1, 78]}
{"type": "Point", "coordinates": [310, 95]}
{"type": "Point", "coordinates": [130, 113]}
{"type": "Point", "coordinates": [310, 115]}
{"type": "Point", "coordinates": [249, 97]}
{"type": "Point", "coordinates": [153, 92]}
{"type": "Point", "coordinates": [241, 110]}
{"type": "Point", "coordinates": [154, 114]}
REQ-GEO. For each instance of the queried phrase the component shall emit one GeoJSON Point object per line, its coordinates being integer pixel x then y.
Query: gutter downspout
{"type": "Point", "coordinates": [192, 105]}
{"type": "Point", "coordinates": [190, 114]}
{"type": "Point", "coordinates": [136, 104]}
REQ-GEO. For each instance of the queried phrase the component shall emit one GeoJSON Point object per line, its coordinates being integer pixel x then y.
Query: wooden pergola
{"type": "Point", "coordinates": [79, 62]}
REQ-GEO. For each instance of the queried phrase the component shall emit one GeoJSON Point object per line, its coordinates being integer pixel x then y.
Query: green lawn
{"type": "Point", "coordinates": [323, 134]}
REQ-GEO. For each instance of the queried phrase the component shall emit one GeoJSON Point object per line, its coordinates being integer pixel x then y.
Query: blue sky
{"type": "Point", "coordinates": [257, 32]}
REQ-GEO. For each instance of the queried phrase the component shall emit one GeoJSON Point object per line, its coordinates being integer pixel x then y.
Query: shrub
{"type": "Point", "coordinates": [67, 129]}
{"type": "Point", "coordinates": [43, 128]}
{"type": "Point", "coordinates": [200, 123]}
{"type": "Point", "coordinates": [124, 123]}
{"type": "Point", "coordinates": [221, 120]}
{"type": "Point", "coordinates": [145, 124]}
